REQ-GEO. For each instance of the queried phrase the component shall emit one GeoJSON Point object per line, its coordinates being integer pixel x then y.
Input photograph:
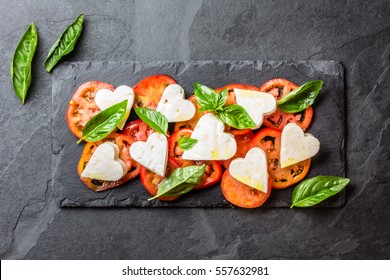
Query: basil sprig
{"type": "Point", "coordinates": [300, 98]}
{"type": "Point", "coordinates": [233, 115]}
{"type": "Point", "coordinates": [157, 121]}
{"type": "Point", "coordinates": [180, 181]}
{"type": "Point", "coordinates": [104, 123]}
{"type": "Point", "coordinates": [314, 190]}
{"type": "Point", "coordinates": [21, 62]}
{"type": "Point", "coordinates": [65, 43]}
{"type": "Point", "coordinates": [185, 143]}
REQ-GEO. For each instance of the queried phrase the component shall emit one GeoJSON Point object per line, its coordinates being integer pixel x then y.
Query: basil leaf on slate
{"type": "Point", "coordinates": [312, 191]}
{"type": "Point", "coordinates": [236, 116]}
{"type": "Point", "coordinates": [65, 43]}
{"type": "Point", "coordinates": [104, 123]}
{"type": "Point", "coordinates": [180, 181]}
{"type": "Point", "coordinates": [186, 143]}
{"type": "Point", "coordinates": [21, 62]}
{"type": "Point", "coordinates": [300, 98]}
{"type": "Point", "coordinates": [157, 121]}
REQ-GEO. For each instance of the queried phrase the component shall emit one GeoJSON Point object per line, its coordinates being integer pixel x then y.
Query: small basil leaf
{"type": "Point", "coordinates": [157, 121]}
{"type": "Point", "coordinates": [312, 191]}
{"type": "Point", "coordinates": [300, 98]}
{"type": "Point", "coordinates": [205, 96]}
{"type": "Point", "coordinates": [221, 99]}
{"type": "Point", "coordinates": [186, 143]}
{"type": "Point", "coordinates": [65, 43]}
{"type": "Point", "coordinates": [180, 181]}
{"type": "Point", "coordinates": [104, 123]}
{"type": "Point", "coordinates": [236, 116]}
{"type": "Point", "coordinates": [21, 62]}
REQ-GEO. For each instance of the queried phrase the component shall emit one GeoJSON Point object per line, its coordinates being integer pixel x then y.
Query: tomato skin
{"type": "Point", "coordinates": [279, 88]}
{"type": "Point", "coordinates": [151, 180]}
{"type": "Point", "coordinates": [82, 106]}
{"type": "Point", "coordinates": [213, 171]}
{"type": "Point", "coordinates": [269, 140]}
{"type": "Point", "coordinates": [243, 138]}
{"type": "Point", "coordinates": [137, 130]}
{"type": "Point", "coordinates": [148, 91]}
{"type": "Point", "coordinates": [124, 143]}
{"type": "Point", "coordinates": [241, 194]}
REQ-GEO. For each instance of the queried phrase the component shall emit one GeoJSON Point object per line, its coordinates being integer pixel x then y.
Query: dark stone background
{"type": "Point", "coordinates": [357, 33]}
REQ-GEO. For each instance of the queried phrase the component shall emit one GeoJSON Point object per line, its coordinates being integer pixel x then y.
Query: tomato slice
{"type": "Point", "coordinates": [137, 130]}
{"type": "Point", "coordinates": [133, 168]}
{"type": "Point", "coordinates": [213, 171]}
{"type": "Point", "coordinates": [148, 92]}
{"type": "Point", "coordinates": [270, 140]}
{"type": "Point", "coordinates": [278, 120]}
{"type": "Point", "coordinates": [243, 138]}
{"type": "Point", "coordinates": [82, 106]}
{"type": "Point", "coordinates": [241, 194]}
{"type": "Point", "coordinates": [151, 180]}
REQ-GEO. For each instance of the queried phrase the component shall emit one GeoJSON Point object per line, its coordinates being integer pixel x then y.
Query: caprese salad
{"type": "Point", "coordinates": [250, 139]}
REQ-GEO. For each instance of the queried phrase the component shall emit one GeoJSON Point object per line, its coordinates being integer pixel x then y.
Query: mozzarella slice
{"type": "Point", "coordinates": [213, 143]}
{"type": "Point", "coordinates": [105, 164]}
{"type": "Point", "coordinates": [174, 106]}
{"type": "Point", "coordinates": [251, 170]}
{"type": "Point", "coordinates": [105, 98]}
{"type": "Point", "coordinates": [296, 145]}
{"type": "Point", "coordinates": [256, 103]}
{"type": "Point", "coordinates": [152, 154]}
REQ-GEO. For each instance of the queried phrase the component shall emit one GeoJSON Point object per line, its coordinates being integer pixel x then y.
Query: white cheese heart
{"type": "Point", "coordinates": [106, 98]}
{"type": "Point", "coordinates": [152, 154]}
{"type": "Point", "coordinates": [105, 164]}
{"type": "Point", "coordinates": [256, 103]}
{"type": "Point", "coordinates": [213, 143]}
{"type": "Point", "coordinates": [174, 106]}
{"type": "Point", "coordinates": [251, 170]}
{"type": "Point", "coordinates": [296, 146]}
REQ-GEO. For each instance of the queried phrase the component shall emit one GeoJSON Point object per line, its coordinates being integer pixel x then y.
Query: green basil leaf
{"type": "Point", "coordinates": [300, 98]}
{"type": "Point", "coordinates": [236, 116]}
{"type": "Point", "coordinates": [104, 123]}
{"type": "Point", "coordinates": [21, 62]}
{"type": "Point", "coordinates": [180, 181]}
{"type": "Point", "coordinates": [186, 143]}
{"type": "Point", "coordinates": [157, 121]}
{"type": "Point", "coordinates": [65, 43]}
{"type": "Point", "coordinates": [205, 96]}
{"type": "Point", "coordinates": [221, 99]}
{"type": "Point", "coordinates": [312, 191]}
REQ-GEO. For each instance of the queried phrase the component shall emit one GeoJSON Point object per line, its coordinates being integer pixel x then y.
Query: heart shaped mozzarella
{"type": "Point", "coordinates": [174, 106]}
{"type": "Point", "coordinates": [105, 164]}
{"type": "Point", "coordinates": [296, 145]}
{"type": "Point", "coordinates": [251, 170]}
{"type": "Point", "coordinates": [105, 98]}
{"type": "Point", "coordinates": [213, 143]}
{"type": "Point", "coordinates": [152, 154]}
{"type": "Point", "coordinates": [256, 103]}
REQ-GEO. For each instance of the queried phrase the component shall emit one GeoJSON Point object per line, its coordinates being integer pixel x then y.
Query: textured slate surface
{"type": "Point", "coordinates": [356, 33]}
{"type": "Point", "coordinates": [328, 123]}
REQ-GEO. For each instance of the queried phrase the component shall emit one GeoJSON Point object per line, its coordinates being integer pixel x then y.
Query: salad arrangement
{"type": "Point", "coordinates": [244, 139]}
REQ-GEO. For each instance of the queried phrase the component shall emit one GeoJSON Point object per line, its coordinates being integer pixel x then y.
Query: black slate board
{"type": "Point", "coordinates": [327, 126]}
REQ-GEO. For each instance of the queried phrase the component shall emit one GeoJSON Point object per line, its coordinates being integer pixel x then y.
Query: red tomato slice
{"type": "Point", "coordinates": [213, 171]}
{"type": "Point", "coordinates": [241, 194]}
{"type": "Point", "coordinates": [148, 92]}
{"type": "Point", "coordinates": [243, 138]}
{"type": "Point", "coordinates": [270, 140]}
{"type": "Point", "coordinates": [124, 143]}
{"type": "Point", "coordinates": [278, 120]}
{"type": "Point", "coordinates": [137, 130]}
{"type": "Point", "coordinates": [151, 180]}
{"type": "Point", "coordinates": [82, 107]}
